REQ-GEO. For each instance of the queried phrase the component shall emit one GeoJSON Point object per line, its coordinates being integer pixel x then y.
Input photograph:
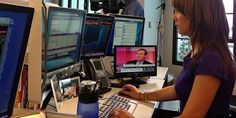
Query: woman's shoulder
{"type": "Point", "coordinates": [211, 53]}
{"type": "Point", "coordinates": [211, 62]}
{"type": "Point", "coordinates": [211, 57]}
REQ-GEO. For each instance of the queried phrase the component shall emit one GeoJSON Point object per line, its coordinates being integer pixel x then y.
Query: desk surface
{"type": "Point", "coordinates": [70, 106]}
{"type": "Point", "coordinates": [27, 113]}
{"type": "Point", "coordinates": [154, 83]}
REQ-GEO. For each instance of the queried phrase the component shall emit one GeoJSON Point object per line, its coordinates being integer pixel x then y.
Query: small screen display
{"type": "Point", "coordinates": [134, 61]}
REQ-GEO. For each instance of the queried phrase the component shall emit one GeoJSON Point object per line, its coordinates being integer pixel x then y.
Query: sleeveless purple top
{"type": "Point", "coordinates": [210, 63]}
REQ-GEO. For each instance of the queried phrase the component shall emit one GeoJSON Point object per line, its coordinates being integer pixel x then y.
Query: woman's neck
{"type": "Point", "coordinates": [194, 50]}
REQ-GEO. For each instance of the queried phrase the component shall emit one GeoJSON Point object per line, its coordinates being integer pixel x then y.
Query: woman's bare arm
{"type": "Point", "coordinates": [203, 92]}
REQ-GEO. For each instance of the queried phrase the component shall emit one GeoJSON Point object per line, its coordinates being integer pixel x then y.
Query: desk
{"type": "Point", "coordinates": [27, 113]}
{"type": "Point", "coordinates": [70, 106]}
{"type": "Point", "coordinates": [154, 83]}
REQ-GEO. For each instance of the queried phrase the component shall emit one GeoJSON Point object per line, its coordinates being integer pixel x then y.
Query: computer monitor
{"type": "Point", "coordinates": [135, 61]}
{"type": "Point", "coordinates": [127, 30]}
{"type": "Point", "coordinates": [63, 38]}
{"type": "Point", "coordinates": [96, 35]}
{"type": "Point", "coordinates": [62, 45]}
{"type": "Point", "coordinates": [15, 24]}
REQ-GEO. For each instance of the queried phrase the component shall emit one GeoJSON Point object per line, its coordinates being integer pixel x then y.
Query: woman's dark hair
{"type": "Point", "coordinates": [208, 26]}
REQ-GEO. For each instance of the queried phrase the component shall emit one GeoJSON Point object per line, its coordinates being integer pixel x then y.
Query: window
{"type": "Point", "coordinates": [181, 44]}
{"type": "Point", "coordinates": [69, 3]}
{"type": "Point", "coordinates": [77, 4]}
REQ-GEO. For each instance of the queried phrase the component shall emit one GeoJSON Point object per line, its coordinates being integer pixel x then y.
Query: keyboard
{"type": "Point", "coordinates": [119, 102]}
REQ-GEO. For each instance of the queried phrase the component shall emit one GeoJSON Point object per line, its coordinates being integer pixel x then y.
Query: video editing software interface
{"type": "Point", "coordinates": [133, 61]}
{"type": "Point", "coordinates": [96, 35]}
{"type": "Point", "coordinates": [15, 24]}
{"type": "Point", "coordinates": [63, 38]}
{"type": "Point", "coordinates": [128, 30]}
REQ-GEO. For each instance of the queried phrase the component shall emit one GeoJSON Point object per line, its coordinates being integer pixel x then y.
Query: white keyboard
{"type": "Point", "coordinates": [116, 101]}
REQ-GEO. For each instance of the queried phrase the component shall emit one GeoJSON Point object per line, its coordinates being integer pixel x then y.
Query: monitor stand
{"type": "Point", "coordinates": [135, 81]}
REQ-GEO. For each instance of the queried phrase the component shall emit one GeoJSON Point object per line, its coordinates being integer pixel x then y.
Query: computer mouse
{"type": "Point", "coordinates": [121, 92]}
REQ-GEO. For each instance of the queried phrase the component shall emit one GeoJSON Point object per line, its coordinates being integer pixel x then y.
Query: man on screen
{"type": "Point", "coordinates": [140, 57]}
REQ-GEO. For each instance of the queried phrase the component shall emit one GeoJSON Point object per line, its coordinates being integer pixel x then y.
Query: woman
{"type": "Point", "coordinates": [204, 86]}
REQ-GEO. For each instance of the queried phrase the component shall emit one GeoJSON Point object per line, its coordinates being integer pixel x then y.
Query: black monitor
{"type": "Point", "coordinates": [135, 62]}
{"type": "Point", "coordinates": [64, 35]}
{"type": "Point", "coordinates": [96, 35]}
{"type": "Point", "coordinates": [15, 24]}
{"type": "Point", "coordinates": [62, 45]}
{"type": "Point", "coordinates": [127, 30]}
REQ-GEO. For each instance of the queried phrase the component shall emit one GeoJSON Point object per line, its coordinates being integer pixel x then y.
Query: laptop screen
{"type": "Point", "coordinates": [15, 24]}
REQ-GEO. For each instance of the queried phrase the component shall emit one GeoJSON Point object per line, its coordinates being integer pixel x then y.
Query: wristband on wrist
{"type": "Point", "coordinates": [146, 96]}
{"type": "Point", "coordinates": [140, 95]}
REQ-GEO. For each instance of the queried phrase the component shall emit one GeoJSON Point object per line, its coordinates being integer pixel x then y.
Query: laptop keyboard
{"type": "Point", "coordinates": [119, 102]}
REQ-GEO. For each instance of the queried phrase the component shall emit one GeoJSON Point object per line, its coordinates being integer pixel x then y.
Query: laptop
{"type": "Point", "coordinates": [65, 92]}
{"type": "Point", "coordinates": [15, 24]}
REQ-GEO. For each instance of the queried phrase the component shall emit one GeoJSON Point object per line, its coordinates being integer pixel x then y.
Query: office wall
{"type": "Point", "coordinates": [34, 53]}
{"type": "Point", "coordinates": [53, 1]}
{"type": "Point", "coordinates": [142, 2]}
{"type": "Point", "coordinates": [168, 40]}
{"type": "Point", "coordinates": [16, 2]}
{"type": "Point", "coordinates": [152, 16]}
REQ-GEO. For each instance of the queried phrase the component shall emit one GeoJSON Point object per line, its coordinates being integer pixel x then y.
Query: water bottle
{"type": "Point", "coordinates": [88, 106]}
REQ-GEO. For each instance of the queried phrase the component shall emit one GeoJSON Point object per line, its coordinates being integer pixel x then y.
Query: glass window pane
{"type": "Point", "coordinates": [231, 47]}
{"type": "Point", "coordinates": [230, 22]}
{"type": "Point", "coordinates": [228, 6]}
{"type": "Point", "coordinates": [182, 36]}
{"type": "Point", "coordinates": [74, 4]}
{"type": "Point", "coordinates": [81, 4]}
{"type": "Point", "coordinates": [183, 47]}
{"type": "Point", "coordinates": [65, 3]}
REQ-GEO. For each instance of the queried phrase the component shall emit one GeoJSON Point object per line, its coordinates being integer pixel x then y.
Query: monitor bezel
{"type": "Point", "coordinates": [29, 11]}
{"type": "Point", "coordinates": [113, 28]}
{"type": "Point", "coordinates": [80, 41]}
{"type": "Point", "coordinates": [134, 74]}
{"type": "Point", "coordinates": [107, 43]}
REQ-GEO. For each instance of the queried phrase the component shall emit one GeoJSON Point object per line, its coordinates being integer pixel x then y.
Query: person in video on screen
{"type": "Point", "coordinates": [140, 57]}
{"type": "Point", "coordinates": [204, 86]}
{"type": "Point", "coordinates": [133, 7]}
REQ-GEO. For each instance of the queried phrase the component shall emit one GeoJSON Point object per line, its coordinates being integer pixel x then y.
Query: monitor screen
{"type": "Point", "coordinates": [96, 35]}
{"type": "Point", "coordinates": [135, 61]}
{"type": "Point", "coordinates": [15, 24]}
{"type": "Point", "coordinates": [63, 38]}
{"type": "Point", "coordinates": [127, 30]}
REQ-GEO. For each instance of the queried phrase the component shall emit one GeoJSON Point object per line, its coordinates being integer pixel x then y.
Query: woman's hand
{"type": "Point", "coordinates": [119, 113]}
{"type": "Point", "coordinates": [131, 91]}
